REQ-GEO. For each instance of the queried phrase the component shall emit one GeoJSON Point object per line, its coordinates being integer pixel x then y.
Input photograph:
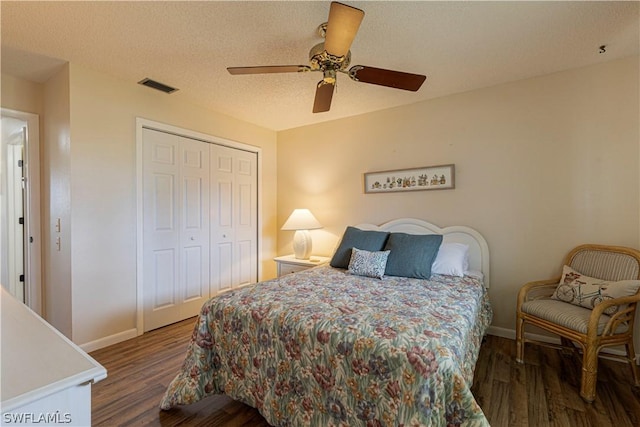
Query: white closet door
{"type": "Point", "coordinates": [176, 227]}
{"type": "Point", "coordinates": [234, 229]}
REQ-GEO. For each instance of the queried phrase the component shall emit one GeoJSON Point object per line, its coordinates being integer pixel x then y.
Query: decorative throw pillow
{"type": "Point", "coordinates": [370, 264]}
{"type": "Point", "coordinates": [368, 240]}
{"type": "Point", "coordinates": [588, 292]}
{"type": "Point", "coordinates": [452, 260]}
{"type": "Point", "coordinates": [412, 254]}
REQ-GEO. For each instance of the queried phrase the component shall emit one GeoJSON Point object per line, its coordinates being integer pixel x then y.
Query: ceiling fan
{"type": "Point", "coordinates": [334, 56]}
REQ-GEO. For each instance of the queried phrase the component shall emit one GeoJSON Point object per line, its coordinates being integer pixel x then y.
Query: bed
{"type": "Point", "coordinates": [330, 347]}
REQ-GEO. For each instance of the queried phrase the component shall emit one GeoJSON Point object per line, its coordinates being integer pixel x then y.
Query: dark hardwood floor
{"type": "Point", "coordinates": [542, 392]}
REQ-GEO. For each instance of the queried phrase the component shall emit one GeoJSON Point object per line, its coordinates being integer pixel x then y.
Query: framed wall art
{"type": "Point", "coordinates": [440, 177]}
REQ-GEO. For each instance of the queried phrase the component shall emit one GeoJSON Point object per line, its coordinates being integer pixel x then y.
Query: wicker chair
{"type": "Point", "coordinates": [591, 329]}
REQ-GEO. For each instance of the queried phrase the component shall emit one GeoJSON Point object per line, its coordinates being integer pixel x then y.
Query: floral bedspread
{"type": "Point", "coordinates": [325, 348]}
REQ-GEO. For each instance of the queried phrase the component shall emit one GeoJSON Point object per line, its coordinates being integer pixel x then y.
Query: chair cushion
{"type": "Point", "coordinates": [579, 289]}
{"type": "Point", "coordinates": [568, 315]}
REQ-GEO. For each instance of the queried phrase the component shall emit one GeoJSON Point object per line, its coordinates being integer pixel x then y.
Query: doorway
{"type": "Point", "coordinates": [20, 256]}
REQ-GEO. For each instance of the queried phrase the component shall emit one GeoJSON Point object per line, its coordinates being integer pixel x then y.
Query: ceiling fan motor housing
{"type": "Point", "coordinates": [320, 59]}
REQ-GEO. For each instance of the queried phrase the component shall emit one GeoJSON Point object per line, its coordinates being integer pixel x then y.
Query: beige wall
{"type": "Point", "coordinates": [56, 203]}
{"type": "Point", "coordinates": [21, 95]}
{"type": "Point", "coordinates": [89, 182]}
{"type": "Point", "coordinates": [103, 191]}
{"type": "Point", "coordinates": [50, 101]}
{"type": "Point", "coordinates": [542, 165]}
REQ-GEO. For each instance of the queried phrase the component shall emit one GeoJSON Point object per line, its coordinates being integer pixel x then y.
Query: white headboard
{"type": "Point", "coordinates": [478, 248]}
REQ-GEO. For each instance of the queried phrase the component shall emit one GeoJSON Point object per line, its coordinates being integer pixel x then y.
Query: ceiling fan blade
{"type": "Point", "coordinates": [389, 78]}
{"type": "Point", "coordinates": [267, 69]}
{"type": "Point", "coordinates": [324, 93]}
{"type": "Point", "coordinates": [342, 27]}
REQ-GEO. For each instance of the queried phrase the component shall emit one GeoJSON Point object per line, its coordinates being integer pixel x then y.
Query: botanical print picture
{"type": "Point", "coordinates": [440, 177]}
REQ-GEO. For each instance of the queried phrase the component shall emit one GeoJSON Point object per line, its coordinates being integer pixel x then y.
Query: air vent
{"type": "Point", "coordinates": [157, 85]}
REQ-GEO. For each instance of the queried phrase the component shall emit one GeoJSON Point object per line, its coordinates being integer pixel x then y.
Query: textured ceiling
{"type": "Point", "coordinates": [460, 46]}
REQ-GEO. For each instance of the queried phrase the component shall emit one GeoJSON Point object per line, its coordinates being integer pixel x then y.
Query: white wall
{"type": "Point", "coordinates": [542, 165]}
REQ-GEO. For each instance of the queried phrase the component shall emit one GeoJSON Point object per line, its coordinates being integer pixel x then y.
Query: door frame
{"type": "Point", "coordinates": [142, 123]}
{"type": "Point", "coordinates": [32, 230]}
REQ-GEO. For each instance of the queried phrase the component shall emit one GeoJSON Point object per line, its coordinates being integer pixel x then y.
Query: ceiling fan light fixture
{"type": "Point", "coordinates": [343, 25]}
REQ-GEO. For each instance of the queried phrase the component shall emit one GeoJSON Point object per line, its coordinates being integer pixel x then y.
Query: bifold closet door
{"type": "Point", "coordinates": [176, 229]}
{"type": "Point", "coordinates": [234, 228]}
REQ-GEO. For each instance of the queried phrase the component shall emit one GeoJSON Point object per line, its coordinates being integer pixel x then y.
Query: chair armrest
{"type": "Point", "coordinates": [536, 290]}
{"type": "Point", "coordinates": [625, 315]}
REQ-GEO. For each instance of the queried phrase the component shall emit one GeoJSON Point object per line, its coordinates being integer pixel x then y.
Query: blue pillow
{"type": "Point", "coordinates": [366, 240]}
{"type": "Point", "coordinates": [412, 254]}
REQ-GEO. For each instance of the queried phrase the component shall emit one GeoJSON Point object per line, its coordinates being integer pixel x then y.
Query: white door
{"type": "Point", "coordinates": [20, 245]}
{"type": "Point", "coordinates": [176, 227]}
{"type": "Point", "coordinates": [234, 228]}
{"type": "Point", "coordinates": [15, 217]}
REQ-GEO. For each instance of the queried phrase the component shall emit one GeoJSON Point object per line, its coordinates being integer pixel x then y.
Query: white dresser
{"type": "Point", "coordinates": [45, 378]}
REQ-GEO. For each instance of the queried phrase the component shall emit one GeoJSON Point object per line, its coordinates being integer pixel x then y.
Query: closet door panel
{"type": "Point", "coordinates": [246, 224]}
{"type": "Point", "coordinates": [193, 277]}
{"type": "Point", "coordinates": [222, 266]}
{"type": "Point", "coordinates": [175, 229]}
{"type": "Point", "coordinates": [234, 225]}
{"type": "Point", "coordinates": [194, 233]}
{"type": "Point", "coordinates": [245, 259]}
{"type": "Point", "coordinates": [222, 204]}
{"type": "Point", "coordinates": [161, 231]}
{"type": "Point", "coordinates": [164, 270]}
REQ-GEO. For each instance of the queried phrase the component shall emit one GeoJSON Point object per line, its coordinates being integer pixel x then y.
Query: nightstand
{"type": "Point", "coordinates": [288, 264]}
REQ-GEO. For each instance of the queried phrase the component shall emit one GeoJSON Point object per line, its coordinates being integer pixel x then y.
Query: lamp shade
{"type": "Point", "coordinates": [301, 219]}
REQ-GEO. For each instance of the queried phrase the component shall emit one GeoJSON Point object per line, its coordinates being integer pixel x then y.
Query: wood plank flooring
{"type": "Point", "coordinates": [542, 392]}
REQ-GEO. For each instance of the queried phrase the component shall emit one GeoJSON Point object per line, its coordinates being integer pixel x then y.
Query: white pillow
{"type": "Point", "coordinates": [452, 260]}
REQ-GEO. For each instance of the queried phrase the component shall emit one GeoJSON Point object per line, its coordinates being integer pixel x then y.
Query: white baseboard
{"type": "Point", "coordinates": [511, 334]}
{"type": "Point", "coordinates": [110, 340]}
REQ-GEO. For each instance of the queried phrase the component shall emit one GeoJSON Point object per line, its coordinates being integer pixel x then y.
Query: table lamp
{"type": "Point", "coordinates": [301, 220]}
